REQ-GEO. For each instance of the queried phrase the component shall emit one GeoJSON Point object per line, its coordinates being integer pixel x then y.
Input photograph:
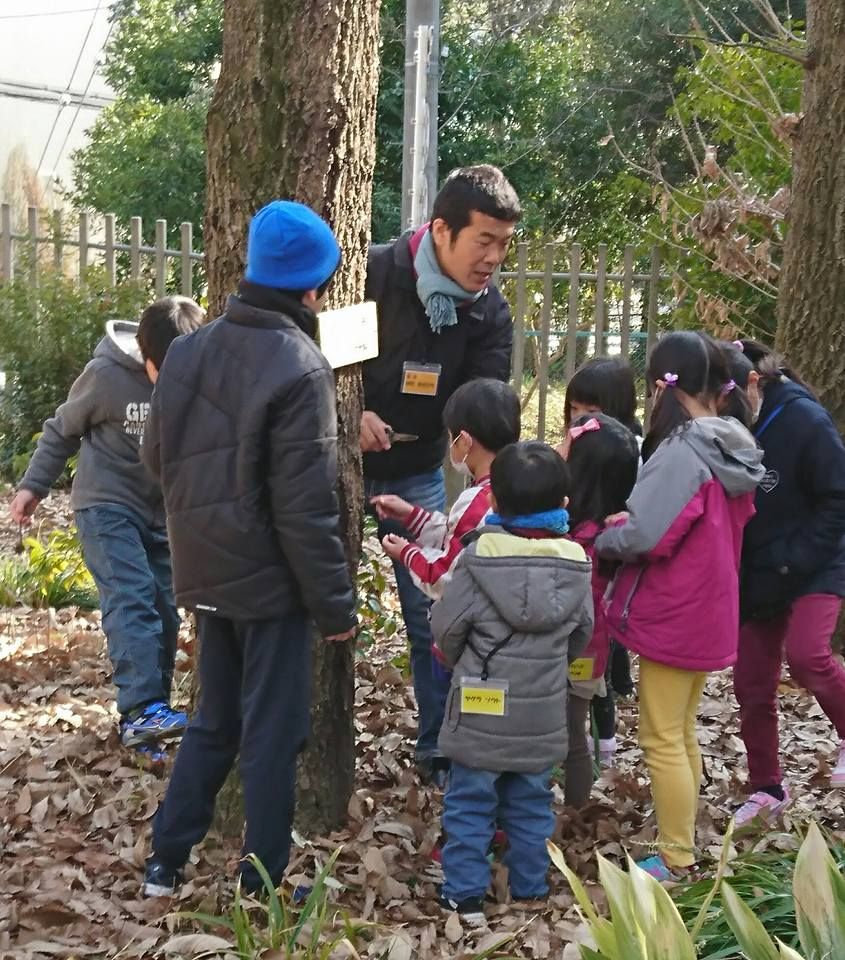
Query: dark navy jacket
{"type": "Point", "coordinates": [795, 545]}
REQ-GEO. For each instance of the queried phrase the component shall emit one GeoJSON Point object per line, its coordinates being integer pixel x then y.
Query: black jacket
{"type": "Point", "coordinates": [795, 544]}
{"type": "Point", "coordinates": [478, 346]}
{"type": "Point", "coordinates": [242, 432]}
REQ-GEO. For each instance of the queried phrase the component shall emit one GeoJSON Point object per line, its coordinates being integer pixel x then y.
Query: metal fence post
{"type": "Point", "coordinates": [187, 233]}
{"type": "Point", "coordinates": [545, 330]}
{"type": "Point", "coordinates": [6, 241]}
{"type": "Point", "coordinates": [518, 350]}
{"type": "Point", "coordinates": [651, 335]}
{"type": "Point", "coordinates": [83, 245]}
{"type": "Point", "coordinates": [572, 321]}
{"type": "Point", "coordinates": [160, 258]}
{"type": "Point", "coordinates": [601, 306]}
{"type": "Point", "coordinates": [109, 254]}
{"type": "Point", "coordinates": [136, 227]}
{"type": "Point", "coordinates": [627, 285]}
{"type": "Point", "coordinates": [32, 231]}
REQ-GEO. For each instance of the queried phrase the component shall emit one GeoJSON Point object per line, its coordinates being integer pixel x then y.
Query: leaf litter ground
{"type": "Point", "coordinates": [76, 810]}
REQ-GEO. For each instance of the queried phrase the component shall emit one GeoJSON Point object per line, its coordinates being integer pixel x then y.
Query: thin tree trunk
{"type": "Point", "coordinates": [293, 116]}
{"type": "Point", "coordinates": [811, 322]}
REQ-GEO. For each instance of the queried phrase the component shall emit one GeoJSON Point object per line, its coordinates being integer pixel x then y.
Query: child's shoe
{"type": "Point", "coordinates": [762, 807]}
{"type": "Point", "coordinates": [155, 721]}
{"type": "Point", "coordinates": [160, 880]}
{"type": "Point", "coordinates": [152, 752]}
{"type": "Point", "coordinates": [837, 777]}
{"type": "Point", "coordinates": [661, 871]}
{"type": "Point", "coordinates": [607, 752]}
{"type": "Point", "coordinates": [470, 910]}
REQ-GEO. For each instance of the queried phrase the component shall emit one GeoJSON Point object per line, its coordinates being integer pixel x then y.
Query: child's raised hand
{"type": "Point", "coordinates": [23, 506]}
{"type": "Point", "coordinates": [390, 507]}
{"type": "Point", "coordinates": [394, 545]}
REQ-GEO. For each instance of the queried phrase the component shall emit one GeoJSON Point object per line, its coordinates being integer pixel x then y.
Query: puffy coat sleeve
{"type": "Point", "coordinates": [490, 354]}
{"type": "Point", "coordinates": [302, 479]}
{"type": "Point", "coordinates": [666, 501]}
{"type": "Point", "coordinates": [452, 616]}
{"type": "Point", "coordinates": [822, 477]}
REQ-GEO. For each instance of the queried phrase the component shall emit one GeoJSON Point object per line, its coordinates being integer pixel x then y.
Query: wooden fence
{"type": "Point", "coordinates": [568, 303]}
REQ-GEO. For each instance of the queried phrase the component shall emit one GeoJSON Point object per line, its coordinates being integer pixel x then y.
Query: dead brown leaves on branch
{"type": "Point", "coordinates": [76, 812]}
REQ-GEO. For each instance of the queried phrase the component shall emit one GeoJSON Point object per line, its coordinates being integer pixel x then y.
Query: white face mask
{"type": "Point", "coordinates": [461, 466]}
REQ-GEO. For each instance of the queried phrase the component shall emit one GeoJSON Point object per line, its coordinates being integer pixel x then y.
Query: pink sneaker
{"type": "Point", "coordinates": [837, 777]}
{"type": "Point", "coordinates": [761, 806]}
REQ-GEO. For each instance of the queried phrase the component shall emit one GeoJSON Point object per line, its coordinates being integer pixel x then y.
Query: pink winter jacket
{"type": "Point", "coordinates": [676, 598]}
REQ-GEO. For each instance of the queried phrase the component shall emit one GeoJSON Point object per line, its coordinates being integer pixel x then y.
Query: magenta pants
{"type": "Point", "coordinates": [803, 633]}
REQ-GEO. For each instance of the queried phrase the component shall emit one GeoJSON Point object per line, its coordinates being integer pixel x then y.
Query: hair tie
{"type": "Point", "coordinates": [589, 427]}
{"type": "Point", "coordinates": [670, 379]}
{"type": "Point", "coordinates": [728, 387]}
{"type": "Point", "coordinates": [739, 345]}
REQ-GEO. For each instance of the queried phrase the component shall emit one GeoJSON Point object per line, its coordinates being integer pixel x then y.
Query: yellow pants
{"type": "Point", "coordinates": [669, 701]}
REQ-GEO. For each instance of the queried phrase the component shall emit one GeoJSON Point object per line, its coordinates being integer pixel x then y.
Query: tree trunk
{"type": "Point", "coordinates": [811, 324]}
{"type": "Point", "coordinates": [293, 116]}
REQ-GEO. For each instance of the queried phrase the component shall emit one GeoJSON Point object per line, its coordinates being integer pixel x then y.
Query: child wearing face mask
{"type": "Point", "coordinates": [482, 417]}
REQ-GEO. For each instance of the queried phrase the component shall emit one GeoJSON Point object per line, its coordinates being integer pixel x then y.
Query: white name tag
{"type": "Point", "coordinates": [348, 335]}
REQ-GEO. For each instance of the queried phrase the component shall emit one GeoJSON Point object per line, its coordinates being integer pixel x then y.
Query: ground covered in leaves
{"type": "Point", "coordinates": [76, 811]}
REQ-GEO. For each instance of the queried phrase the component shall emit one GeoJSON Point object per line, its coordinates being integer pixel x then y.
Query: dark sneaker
{"type": "Point", "coordinates": [155, 721]}
{"type": "Point", "coordinates": [160, 880]}
{"type": "Point", "coordinates": [470, 911]}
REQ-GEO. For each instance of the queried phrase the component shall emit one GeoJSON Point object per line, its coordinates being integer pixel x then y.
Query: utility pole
{"type": "Point", "coordinates": [420, 112]}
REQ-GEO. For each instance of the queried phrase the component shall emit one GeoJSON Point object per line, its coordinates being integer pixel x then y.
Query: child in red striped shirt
{"type": "Point", "coordinates": [482, 417]}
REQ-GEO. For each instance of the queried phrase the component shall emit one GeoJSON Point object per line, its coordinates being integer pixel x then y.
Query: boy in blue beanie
{"type": "Point", "coordinates": [242, 433]}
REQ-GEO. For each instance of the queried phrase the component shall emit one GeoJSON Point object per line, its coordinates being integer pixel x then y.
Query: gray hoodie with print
{"type": "Point", "coordinates": [523, 607]}
{"type": "Point", "coordinates": [102, 418]}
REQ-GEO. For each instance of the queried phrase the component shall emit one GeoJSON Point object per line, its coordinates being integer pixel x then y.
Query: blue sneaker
{"type": "Point", "coordinates": [155, 721]}
{"type": "Point", "coordinates": [160, 880]}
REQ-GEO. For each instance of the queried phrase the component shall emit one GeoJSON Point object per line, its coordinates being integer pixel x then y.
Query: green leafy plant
{"type": "Point", "coordinates": [645, 923]}
{"type": "Point", "coordinates": [376, 620]}
{"type": "Point", "coordinates": [49, 574]}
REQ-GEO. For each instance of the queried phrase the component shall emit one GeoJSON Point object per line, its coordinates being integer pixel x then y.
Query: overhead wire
{"type": "Point", "coordinates": [61, 105]}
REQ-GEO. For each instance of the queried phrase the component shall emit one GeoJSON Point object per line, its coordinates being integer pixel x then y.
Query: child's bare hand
{"type": "Point", "coordinates": [390, 507]}
{"type": "Point", "coordinates": [394, 545]}
{"type": "Point", "coordinates": [616, 518]}
{"type": "Point", "coordinates": [23, 506]}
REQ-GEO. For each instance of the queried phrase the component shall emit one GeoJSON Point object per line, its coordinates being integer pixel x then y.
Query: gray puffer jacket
{"type": "Point", "coordinates": [531, 599]}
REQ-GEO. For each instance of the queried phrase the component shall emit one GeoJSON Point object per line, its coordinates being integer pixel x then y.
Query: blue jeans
{"type": "Point", "coordinates": [130, 563]}
{"type": "Point", "coordinates": [425, 490]}
{"type": "Point", "coordinates": [475, 801]}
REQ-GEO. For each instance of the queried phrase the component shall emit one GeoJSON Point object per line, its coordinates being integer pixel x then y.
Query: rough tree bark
{"type": "Point", "coordinates": [811, 322]}
{"type": "Point", "coordinates": [293, 116]}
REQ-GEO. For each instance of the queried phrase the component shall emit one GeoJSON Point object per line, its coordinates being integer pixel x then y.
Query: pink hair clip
{"type": "Point", "coordinates": [670, 379]}
{"type": "Point", "coordinates": [728, 387]}
{"type": "Point", "coordinates": [739, 345]}
{"type": "Point", "coordinates": [589, 427]}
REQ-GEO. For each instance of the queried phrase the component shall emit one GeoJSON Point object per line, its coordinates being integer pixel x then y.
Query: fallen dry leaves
{"type": "Point", "coordinates": [76, 810]}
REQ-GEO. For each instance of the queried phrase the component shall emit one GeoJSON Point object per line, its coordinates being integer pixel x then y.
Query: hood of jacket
{"type": "Point", "coordinates": [534, 585]}
{"type": "Point", "coordinates": [779, 393]}
{"type": "Point", "coordinates": [729, 451]}
{"type": "Point", "coordinates": [120, 345]}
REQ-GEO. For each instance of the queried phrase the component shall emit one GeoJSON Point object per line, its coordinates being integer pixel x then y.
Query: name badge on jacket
{"type": "Point", "coordinates": [421, 379]}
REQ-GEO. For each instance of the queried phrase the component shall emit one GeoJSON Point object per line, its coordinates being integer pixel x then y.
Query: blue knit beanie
{"type": "Point", "coordinates": [290, 247]}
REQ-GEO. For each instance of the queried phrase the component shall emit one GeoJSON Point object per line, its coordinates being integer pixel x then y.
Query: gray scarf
{"type": "Point", "coordinates": [439, 294]}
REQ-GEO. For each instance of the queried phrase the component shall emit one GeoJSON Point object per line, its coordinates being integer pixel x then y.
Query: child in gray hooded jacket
{"type": "Point", "coordinates": [119, 511]}
{"type": "Point", "coordinates": [518, 609]}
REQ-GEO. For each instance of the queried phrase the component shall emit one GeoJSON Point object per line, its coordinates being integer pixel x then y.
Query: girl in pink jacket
{"type": "Point", "coordinates": [675, 601]}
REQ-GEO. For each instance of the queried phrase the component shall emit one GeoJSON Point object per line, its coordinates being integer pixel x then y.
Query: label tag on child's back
{"type": "Point", "coordinates": [581, 669]}
{"type": "Point", "coordinates": [486, 697]}
{"type": "Point", "coordinates": [421, 379]}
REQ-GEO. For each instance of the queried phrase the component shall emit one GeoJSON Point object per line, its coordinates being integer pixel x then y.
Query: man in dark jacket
{"type": "Point", "coordinates": [242, 433]}
{"type": "Point", "coordinates": [441, 323]}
